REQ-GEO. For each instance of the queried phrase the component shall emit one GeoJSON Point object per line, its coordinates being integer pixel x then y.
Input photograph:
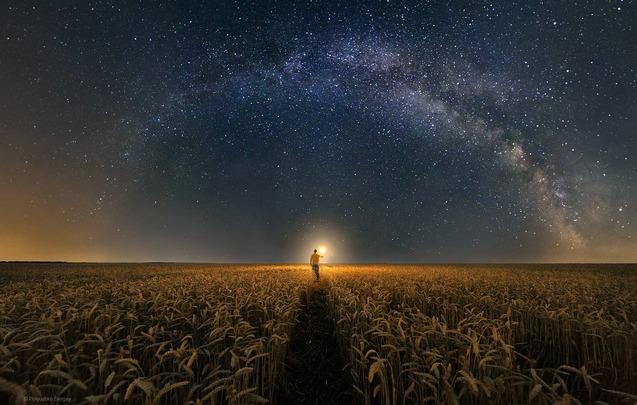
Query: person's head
{"type": "Point", "coordinates": [314, 250]}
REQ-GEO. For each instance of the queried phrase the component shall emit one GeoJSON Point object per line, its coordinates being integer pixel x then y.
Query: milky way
{"type": "Point", "coordinates": [388, 131]}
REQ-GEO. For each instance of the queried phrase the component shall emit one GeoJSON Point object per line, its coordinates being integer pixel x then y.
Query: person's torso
{"type": "Point", "coordinates": [314, 259]}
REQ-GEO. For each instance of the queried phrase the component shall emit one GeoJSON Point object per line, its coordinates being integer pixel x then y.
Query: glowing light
{"type": "Point", "coordinates": [322, 250]}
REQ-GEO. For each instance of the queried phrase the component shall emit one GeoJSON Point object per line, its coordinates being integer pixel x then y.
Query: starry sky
{"type": "Point", "coordinates": [254, 131]}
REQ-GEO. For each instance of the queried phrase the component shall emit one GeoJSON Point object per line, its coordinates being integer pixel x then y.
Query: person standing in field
{"type": "Point", "coordinates": [314, 262]}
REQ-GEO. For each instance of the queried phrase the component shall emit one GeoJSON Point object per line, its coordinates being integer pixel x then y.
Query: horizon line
{"type": "Point", "coordinates": [406, 263]}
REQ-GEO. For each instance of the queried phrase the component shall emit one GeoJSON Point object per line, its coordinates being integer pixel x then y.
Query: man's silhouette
{"type": "Point", "coordinates": [314, 261]}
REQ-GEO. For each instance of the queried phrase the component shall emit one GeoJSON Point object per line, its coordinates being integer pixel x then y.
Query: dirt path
{"type": "Point", "coordinates": [314, 367]}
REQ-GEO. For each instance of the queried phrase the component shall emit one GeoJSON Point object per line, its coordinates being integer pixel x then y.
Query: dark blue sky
{"type": "Point", "coordinates": [254, 131]}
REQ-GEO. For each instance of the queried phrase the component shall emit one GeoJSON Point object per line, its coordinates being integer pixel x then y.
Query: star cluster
{"type": "Point", "coordinates": [391, 131]}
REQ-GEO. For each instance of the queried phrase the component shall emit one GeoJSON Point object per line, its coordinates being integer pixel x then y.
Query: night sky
{"type": "Point", "coordinates": [387, 131]}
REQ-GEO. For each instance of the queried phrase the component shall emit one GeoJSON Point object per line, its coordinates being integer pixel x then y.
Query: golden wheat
{"type": "Point", "coordinates": [489, 334]}
{"type": "Point", "coordinates": [410, 334]}
{"type": "Point", "coordinates": [146, 333]}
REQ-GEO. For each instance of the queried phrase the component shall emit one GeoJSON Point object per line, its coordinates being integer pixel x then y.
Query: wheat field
{"type": "Point", "coordinates": [241, 334]}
